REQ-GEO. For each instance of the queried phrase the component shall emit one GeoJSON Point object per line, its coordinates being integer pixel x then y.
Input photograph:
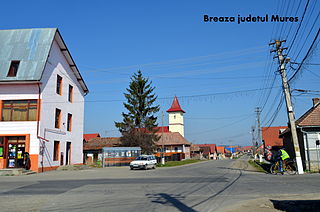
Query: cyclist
{"type": "Point", "coordinates": [282, 156]}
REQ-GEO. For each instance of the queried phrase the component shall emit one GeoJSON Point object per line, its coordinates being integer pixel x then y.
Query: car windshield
{"type": "Point", "coordinates": [141, 158]}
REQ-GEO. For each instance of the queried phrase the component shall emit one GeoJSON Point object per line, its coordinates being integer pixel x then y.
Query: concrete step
{"type": "Point", "coordinates": [15, 172]}
{"type": "Point", "coordinates": [11, 172]}
{"type": "Point", "coordinates": [28, 172]}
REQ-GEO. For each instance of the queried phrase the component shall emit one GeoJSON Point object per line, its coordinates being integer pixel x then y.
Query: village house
{"type": "Point", "coordinates": [87, 137]}
{"type": "Point", "coordinates": [308, 130]}
{"type": "Point", "coordinates": [92, 148]}
{"type": "Point", "coordinates": [174, 146]}
{"type": "Point", "coordinates": [270, 136]}
{"type": "Point", "coordinates": [209, 151]}
{"type": "Point", "coordinates": [221, 151]}
{"type": "Point", "coordinates": [41, 100]}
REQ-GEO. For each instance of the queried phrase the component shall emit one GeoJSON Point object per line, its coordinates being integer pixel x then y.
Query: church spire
{"type": "Point", "coordinates": [175, 107]}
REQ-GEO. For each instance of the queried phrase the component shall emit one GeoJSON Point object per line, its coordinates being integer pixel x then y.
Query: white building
{"type": "Point", "coordinates": [41, 100]}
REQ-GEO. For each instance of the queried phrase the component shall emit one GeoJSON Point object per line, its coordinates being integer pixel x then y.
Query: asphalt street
{"type": "Point", "coordinates": [205, 186]}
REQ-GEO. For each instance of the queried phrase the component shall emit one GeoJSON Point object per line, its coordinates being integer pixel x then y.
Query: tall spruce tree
{"type": "Point", "coordinates": [138, 125]}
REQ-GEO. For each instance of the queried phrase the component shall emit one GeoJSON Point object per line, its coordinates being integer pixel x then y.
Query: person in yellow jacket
{"type": "Point", "coordinates": [284, 158]}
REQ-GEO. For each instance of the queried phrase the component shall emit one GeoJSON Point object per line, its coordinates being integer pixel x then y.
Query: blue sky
{"type": "Point", "coordinates": [219, 71]}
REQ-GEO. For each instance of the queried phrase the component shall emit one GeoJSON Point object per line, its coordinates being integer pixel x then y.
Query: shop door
{"type": "Point", "coordinates": [16, 150]}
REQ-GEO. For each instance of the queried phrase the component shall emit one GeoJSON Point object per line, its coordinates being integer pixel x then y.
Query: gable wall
{"type": "Point", "coordinates": [57, 64]}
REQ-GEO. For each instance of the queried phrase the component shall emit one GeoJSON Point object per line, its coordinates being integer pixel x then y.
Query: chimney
{"type": "Point", "coordinates": [315, 101]}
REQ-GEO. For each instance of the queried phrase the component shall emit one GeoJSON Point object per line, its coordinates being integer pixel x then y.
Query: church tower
{"type": "Point", "coordinates": [176, 117]}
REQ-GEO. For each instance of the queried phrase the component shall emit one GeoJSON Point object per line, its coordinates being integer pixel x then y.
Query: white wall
{"type": "Point", "coordinates": [176, 123]}
{"type": "Point", "coordinates": [16, 92]}
{"type": "Point", "coordinates": [312, 137]}
{"type": "Point", "coordinates": [57, 64]}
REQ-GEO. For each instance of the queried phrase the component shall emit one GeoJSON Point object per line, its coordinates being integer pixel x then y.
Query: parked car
{"type": "Point", "coordinates": [144, 162]}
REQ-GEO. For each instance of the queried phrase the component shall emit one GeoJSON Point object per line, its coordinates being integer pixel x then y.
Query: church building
{"type": "Point", "coordinates": [172, 142]}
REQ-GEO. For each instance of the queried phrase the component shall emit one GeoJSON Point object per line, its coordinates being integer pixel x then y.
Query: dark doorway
{"type": "Point", "coordinates": [68, 153]}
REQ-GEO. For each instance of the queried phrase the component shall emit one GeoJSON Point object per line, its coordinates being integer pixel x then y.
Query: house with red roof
{"type": "Point", "coordinates": [209, 150]}
{"type": "Point", "coordinates": [308, 130]}
{"type": "Point", "coordinates": [270, 136]}
{"type": "Point", "coordinates": [173, 145]}
{"type": "Point", "coordinates": [87, 137]}
{"type": "Point", "coordinates": [92, 148]}
{"type": "Point", "coordinates": [221, 151]}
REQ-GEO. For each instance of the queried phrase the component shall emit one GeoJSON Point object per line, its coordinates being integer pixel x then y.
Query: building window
{"type": "Point", "coordinates": [176, 149]}
{"type": "Point", "coordinates": [70, 95]}
{"type": "Point", "coordinates": [56, 150]}
{"type": "Point", "coordinates": [57, 118]}
{"type": "Point", "coordinates": [69, 123]}
{"type": "Point", "coordinates": [19, 110]}
{"type": "Point", "coordinates": [59, 85]}
{"type": "Point", "coordinates": [13, 68]}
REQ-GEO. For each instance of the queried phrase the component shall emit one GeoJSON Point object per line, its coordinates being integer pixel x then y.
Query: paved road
{"type": "Point", "coordinates": [205, 186]}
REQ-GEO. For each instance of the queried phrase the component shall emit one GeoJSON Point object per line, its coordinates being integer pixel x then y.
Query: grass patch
{"type": "Point", "coordinates": [178, 163]}
{"type": "Point", "coordinates": [256, 166]}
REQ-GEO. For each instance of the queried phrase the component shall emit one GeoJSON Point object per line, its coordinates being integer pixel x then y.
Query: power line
{"type": "Point", "coordinates": [304, 12]}
{"type": "Point", "coordinates": [305, 57]}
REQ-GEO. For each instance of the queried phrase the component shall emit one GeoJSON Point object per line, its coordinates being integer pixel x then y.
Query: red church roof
{"type": "Point", "coordinates": [175, 107]}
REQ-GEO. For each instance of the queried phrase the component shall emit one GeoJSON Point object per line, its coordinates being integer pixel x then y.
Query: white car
{"type": "Point", "coordinates": [144, 162]}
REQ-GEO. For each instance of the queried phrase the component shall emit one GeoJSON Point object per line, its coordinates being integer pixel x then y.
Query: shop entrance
{"type": "Point", "coordinates": [13, 149]}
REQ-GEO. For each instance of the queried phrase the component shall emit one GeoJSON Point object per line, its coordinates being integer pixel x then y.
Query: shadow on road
{"type": "Point", "coordinates": [238, 169]}
{"type": "Point", "coordinates": [265, 166]}
{"type": "Point", "coordinates": [167, 199]}
{"type": "Point", "coordinates": [296, 205]}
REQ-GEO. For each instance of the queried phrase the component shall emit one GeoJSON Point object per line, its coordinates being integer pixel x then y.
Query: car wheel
{"type": "Point", "coordinates": [131, 168]}
{"type": "Point", "coordinates": [154, 167]}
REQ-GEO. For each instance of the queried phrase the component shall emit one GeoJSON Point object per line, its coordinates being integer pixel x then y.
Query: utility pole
{"type": "Point", "coordinates": [258, 111]}
{"type": "Point", "coordinates": [162, 155]}
{"type": "Point", "coordinates": [282, 64]}
{"type": "Point", "coordinates": [253, 140]}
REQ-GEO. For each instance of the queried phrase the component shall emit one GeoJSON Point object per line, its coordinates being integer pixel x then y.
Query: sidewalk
{"type": "Point", "coordinates": [306, 202]}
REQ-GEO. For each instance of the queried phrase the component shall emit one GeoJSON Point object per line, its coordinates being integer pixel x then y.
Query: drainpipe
{"type": "Point", "coordinates": [38, 125]}
{"type": "Point", "coordinates": [307, 143]}
{"type": "Point", "coordinates": [38, 109]}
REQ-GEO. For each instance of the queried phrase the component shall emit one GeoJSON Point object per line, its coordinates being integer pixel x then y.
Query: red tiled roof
{"type": "Point", "coordinates": [270, 135]}
{"type": "Point", "coordinates": [99, 143]}
{"type": "Point", "coordinates": [171, 138]}
{"type": "Point", "coordinates": [311, 117]}
{"type": "Point", "coordinates": [194, 148]}
{"type": "Point", "coordinates": [175, 107]}
{"type": "Point", "coordinates": [213, 147]}
{"type": "Point", "coordinates": [221, 149]}
{"type": "Point", "coordinates": [205, 150]}
{"type": "Point", "coordinates": [164, 129]}
{"type": "Point", "coordinates": [87, 137]}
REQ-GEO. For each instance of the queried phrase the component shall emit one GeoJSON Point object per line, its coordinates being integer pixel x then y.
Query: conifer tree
{"type": "Point", "coordinates": [138, 125]}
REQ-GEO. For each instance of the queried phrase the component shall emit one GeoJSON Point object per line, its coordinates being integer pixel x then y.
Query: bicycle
{"type": "Point", "coordinates": [288, 166]}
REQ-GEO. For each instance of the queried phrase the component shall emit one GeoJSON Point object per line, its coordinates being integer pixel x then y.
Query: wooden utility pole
{"type": "Point", "coordinates": [286, 90]}
{"type": "Point", "coordinates": [253, 140]}
{"type": "Point", "coordinates": [258, 111]}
